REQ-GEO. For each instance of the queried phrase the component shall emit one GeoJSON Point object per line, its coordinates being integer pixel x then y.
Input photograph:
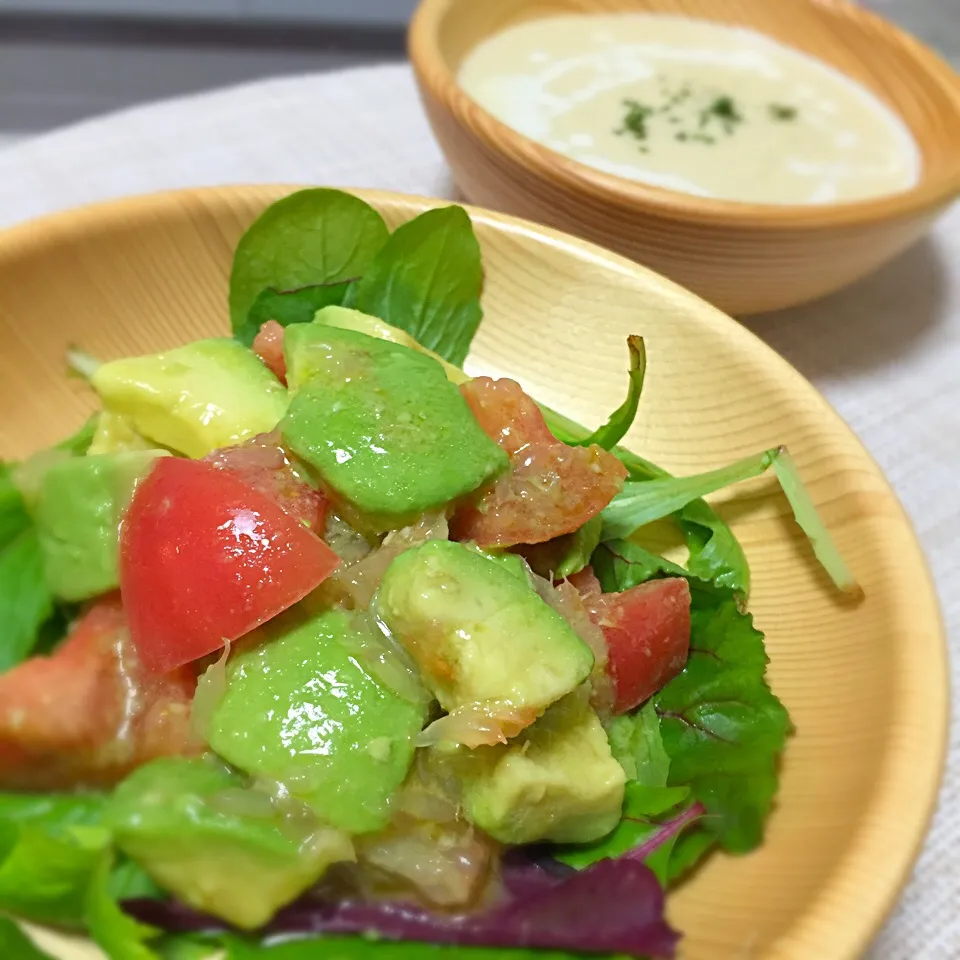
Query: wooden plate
{"type": "Point", "coordinates": [865, 683]}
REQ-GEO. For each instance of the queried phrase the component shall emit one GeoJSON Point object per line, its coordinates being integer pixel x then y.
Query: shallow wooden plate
{"type": "Point", "coordinates": [865, 683]}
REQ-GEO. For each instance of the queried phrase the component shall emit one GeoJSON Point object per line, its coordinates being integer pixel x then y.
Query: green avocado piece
{"type": "Point", "coordinates": [478, 632]}
{"type": "Point", "coordinates": [385, 429]}
{"type": "Point", "coordinates": [348, 319]}
{"type": "Point", "coordinates": [218, 847]}
{"type": "Point", "coordinates": [300, 709]}
{"type": "Point", "coordinates": [115, 434]}
{"type": "Point", "coordinates": [511, 562]}
{"type": "Point", "coordinates": [196, 398]}
{"type": "Point", "coordinates": [77, 512]}
{"type": "Point", "coordinates": [556, 781]}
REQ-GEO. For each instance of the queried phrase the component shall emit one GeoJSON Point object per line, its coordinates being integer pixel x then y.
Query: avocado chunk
{"type": "Point", "coordinates": [478, 632]}
{"type": "Point", "coordinates": [115, 434]}
{"type": "Point", "coordinates": [77, 512]}
{"type": "Point", "coordinates": [556, 781]}
{"type": "Point", "coordinates": [300, 709]}
{"type": "Point", "coordinates": [194, 399]}
{"type": "Point", "coordinates": [347, 319]}
{"type": "Point", "coordinates": [388, 434]}
{"type": "Point", "coordinates": [218, 847]}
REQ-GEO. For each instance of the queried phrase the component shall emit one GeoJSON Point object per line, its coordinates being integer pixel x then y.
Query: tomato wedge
{"type": "Point", "coordinates": [551, 488]}
{"type": "Point", "coordinates": [262, 463]}
{"type": "Point", "coordinates": [268, 346]}
{"type": "Point", "coordinates": [206, 558]}
{"type": "Point", "coordinates": [647, 629]}
{"type": "Point", "coordinates": [88, 714]}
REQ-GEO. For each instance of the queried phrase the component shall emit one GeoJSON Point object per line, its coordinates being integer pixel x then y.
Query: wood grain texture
{"type": "Point", "coordinates": [744, 258]}
{"type": "Point", "coordinates": [865, 683]}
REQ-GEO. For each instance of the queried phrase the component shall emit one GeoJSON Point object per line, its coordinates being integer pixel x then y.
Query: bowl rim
{"type": "Point", "coordinates": [930, 697]}
{"type": "Point", "coordinates": [928, 195]}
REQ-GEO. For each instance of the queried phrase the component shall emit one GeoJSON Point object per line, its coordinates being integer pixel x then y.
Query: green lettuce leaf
{"type": "Point", "coordinates": [637, 746]}
{"type": "Point", "coordinates": [309, 238]}
{"type": "Point", "coordinates": [358, 948]}
{"type": "Point", "coordinates": [14, 518]}
{"type": "Point", "coordinates": [615, 429]}
{"type": "Point", "coordinates": [643, 502]}
{"type": "Point", "coordinates": [16, 945]}
{"type": "Point", "coordinates": [622, 564]}
{"type": "Point", "coordinates": [46, 876]}
{"type": "Point", "coordinates": [809, 521]}
{"type": "Point", "coordinates": [427, 281]}
{"type": "Point", "coordinates": [289, 306]}
{"type": "Point", "coordinates": [117, 934]}
{"type": "Point", "coordinates": [57, 867]}
{"type": "Point", "coordinates": [25, 600]}
{"type": "Point", "coordinates": [77, 444]}
{"type": "Point", "coordinates": [566, 555]}
{"type": "Point", "coordinates": [722, 727]}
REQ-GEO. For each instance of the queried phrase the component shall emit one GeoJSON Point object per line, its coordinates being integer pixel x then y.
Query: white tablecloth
{"type": "Point", "coordinates": [886, 352]}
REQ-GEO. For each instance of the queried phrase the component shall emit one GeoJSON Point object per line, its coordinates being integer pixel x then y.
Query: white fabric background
{"type": "Point", "coordinates": [886, 352]}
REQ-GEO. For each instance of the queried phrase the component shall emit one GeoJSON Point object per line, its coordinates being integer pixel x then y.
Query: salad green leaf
{"type": "Point", "coordinates": [566, 555]}
{"type": "Point", "coordinates": [14, 518]}
{"type": "Point", "coordinates": [622, 564]}
{"type": "Point", "coordinates": [309, 238]}
{"type": "Point", "coordinates": [45, 876]}
{"type": "Point", "coordinates": [808, 519]}
{"type": "Point", "coordinates": [688, 849]}
{"type": "Point", "coordinates": [359, 948]}
{"type": "Point", "coordinates": [579, 548]}
{"type": "Point", "coordinates": [16, 945]}
{"type": "Point", "coordinates": [25, 600]}
{"type": "Point", "coordinates": [637, 746]}
{"type": "Point", "coordinates": [722, 727]}
{"type": "Point", "coordinates": [427, 281]}
{"type": "Point", "coordinates": [77, 444]}
{"type": "Point", "coordinates": [289, 306]}
{"type": "Point", "coordinates": [615, 429]}
{"type": "Point", "coordinates": [53, 811]}
{"type": "Point", "coordinates": [119, 935]}
{"type": "Point", "coordinates": [642, 502]}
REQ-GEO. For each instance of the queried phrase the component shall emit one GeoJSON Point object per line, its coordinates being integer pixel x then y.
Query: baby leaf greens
{"type": "Point", "coordinates": [27, 609]}
{"type": "Point", "coordinates": [615, 429]}
{"type": "Point", "coordinates": [721, 726]}
{"type": "Point", "coordinates": [640, 503]}
{"type": "Point", "coordinates": [311, 238]}
{"type": "Point", "coordinates": [426, 280]}
{"type": "Point", "coordinates": [290, 306]}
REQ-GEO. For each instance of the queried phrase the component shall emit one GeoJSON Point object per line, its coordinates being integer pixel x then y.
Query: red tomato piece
{"type": "Point", "coordinates": [647, 629]}
{"type": "Point", "coordinates": [263, 464]}
{"type": "Point", "coordinates": [88, 714]}
{"type": "Point", "coordinates": [206, 558]}
{"type": "Point", "coordinates": [268, 346]}
{"type": "Point", "coordinates": [550, 489]}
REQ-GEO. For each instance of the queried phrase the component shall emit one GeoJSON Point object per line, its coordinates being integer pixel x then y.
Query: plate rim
{"type": "Point", "coordinates": [871, 912]}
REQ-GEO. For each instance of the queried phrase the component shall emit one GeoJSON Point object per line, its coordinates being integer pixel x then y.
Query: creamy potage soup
{"type": "Point", "coordinates": [693, 106]}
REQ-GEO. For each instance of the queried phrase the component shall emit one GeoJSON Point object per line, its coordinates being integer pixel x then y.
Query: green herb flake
{"type": "Point", "coordinates": [635, 120]}
{"type": "Point", "coordinates": [782, 113]}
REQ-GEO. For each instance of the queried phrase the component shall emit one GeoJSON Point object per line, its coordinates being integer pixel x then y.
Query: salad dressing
{"type": "Point", "coordinates": [692, 106]}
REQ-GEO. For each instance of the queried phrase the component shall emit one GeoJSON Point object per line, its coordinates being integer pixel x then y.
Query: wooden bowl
{"type": "Point", "coordinates": [744, 258]}
{"type": "Point", "coordinates": [865, 683]}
